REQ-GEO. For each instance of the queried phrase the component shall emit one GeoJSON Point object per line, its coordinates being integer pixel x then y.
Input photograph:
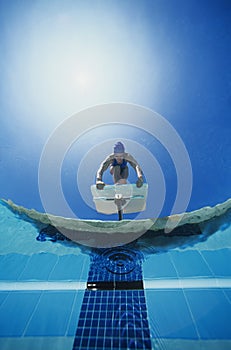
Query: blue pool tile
{"type": "Point", "coordinates": [169, 315]}
{"type": "Point", "coordinates": [52, 315]}
{"type": "Point", "coordinates": [39, 267]}
{"type": "Point", "coordinates": [71, 267]}
{"type": "Point", "coordinates": [227, 293]}
{"type": "Point", "coordinates": [219, 261]}
{"type": "Point", "coordinates": [3, 296]}
{"type": "Point", "coordinates": [190, 264]}
{"type": "Point", "coordinates": [212, 312]}
{"type": "Point", "coordinates": [16, 311]}
{"type": "Point", "coordinates": [74, 316]}
{"type": "Point", "coordinates": [12, 265]}
{"type": "Point", "coordinates": [158, 266]}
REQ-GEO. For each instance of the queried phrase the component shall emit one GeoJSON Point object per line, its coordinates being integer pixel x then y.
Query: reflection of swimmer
{"type": "Point", "coordinates": [118, 167]}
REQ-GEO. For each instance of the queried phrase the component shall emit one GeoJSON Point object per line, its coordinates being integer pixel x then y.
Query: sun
{"type": "Point", "coordinates": [81, 79]}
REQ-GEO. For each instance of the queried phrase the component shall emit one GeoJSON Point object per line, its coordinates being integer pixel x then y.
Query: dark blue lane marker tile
{"type": "Point", "coordinates": [113, 313]}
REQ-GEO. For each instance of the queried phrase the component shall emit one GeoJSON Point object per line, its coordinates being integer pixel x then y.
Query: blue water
{"type": "Point", "coordinates": [73, 60]}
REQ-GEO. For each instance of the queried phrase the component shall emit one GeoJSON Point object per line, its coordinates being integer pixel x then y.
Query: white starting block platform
{"type": "Point", "coordinates": [128, 198]}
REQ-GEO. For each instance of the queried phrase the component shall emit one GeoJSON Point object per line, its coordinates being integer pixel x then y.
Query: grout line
{"type": "Point", "coordinates": [32, 314]}
{"type": "Point", "coordinates": [213, 274]}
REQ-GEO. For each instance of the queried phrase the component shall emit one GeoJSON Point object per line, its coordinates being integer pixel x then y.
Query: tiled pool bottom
{"type": "Point", "coordinates": [41, 317]}
{"type": "Point", "coordinates": [48, 319]}
{"type": "Point", "coordinates": [42, 308]}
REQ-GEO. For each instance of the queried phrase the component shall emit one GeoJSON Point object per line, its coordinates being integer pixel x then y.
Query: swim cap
{"type": "Point", "coordinates": [119, 147]}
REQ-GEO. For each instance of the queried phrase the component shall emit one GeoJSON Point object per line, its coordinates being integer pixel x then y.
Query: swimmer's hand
{"type": "Point", "coordinates": [100, 185]}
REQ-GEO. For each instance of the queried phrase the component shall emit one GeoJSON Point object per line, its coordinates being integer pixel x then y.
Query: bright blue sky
{"type": "Point", "coordinates": [60, 57]}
